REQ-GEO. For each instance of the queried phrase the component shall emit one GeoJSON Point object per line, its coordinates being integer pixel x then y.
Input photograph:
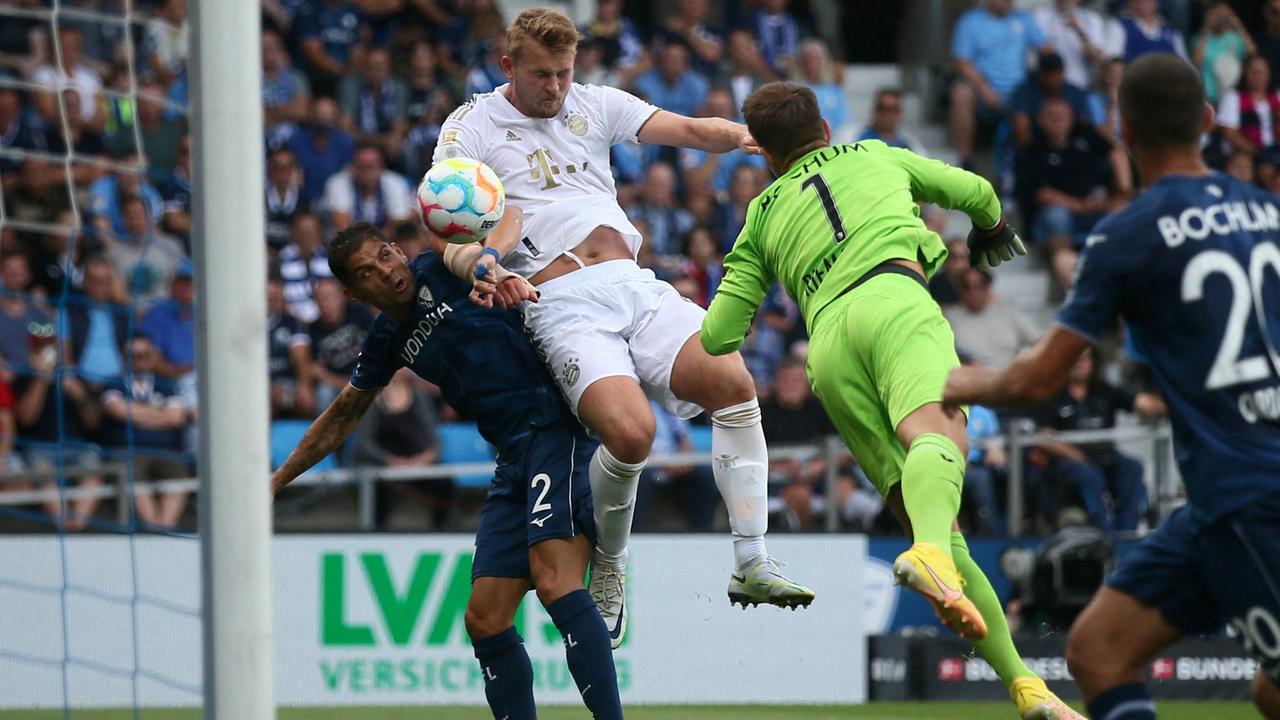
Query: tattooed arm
{"type": "Point", "coordinates": [325, 435]}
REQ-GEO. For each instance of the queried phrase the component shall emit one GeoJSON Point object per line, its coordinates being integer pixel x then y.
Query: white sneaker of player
{"type": "Point", "coordinates": [608, 590]}
{"type": "Point", "coordinates": [763, 582]}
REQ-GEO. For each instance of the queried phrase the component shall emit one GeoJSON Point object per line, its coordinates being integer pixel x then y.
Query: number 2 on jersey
{"type": "Point", "coordinates": [819, 185]}
{"type": "Point", "coordinates": [1246, 294]}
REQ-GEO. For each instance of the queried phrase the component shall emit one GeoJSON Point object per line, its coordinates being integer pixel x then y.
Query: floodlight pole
{"type": "Point", "coordinates": [230, 260]}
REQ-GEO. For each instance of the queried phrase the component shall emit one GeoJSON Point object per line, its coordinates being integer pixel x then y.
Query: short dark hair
{"type": "Point", "coordinates": [346, 243]}
{"type": "Point", "coordinates": [1162, 98]}
{"type": "Point", "coordinates": [784, 118]}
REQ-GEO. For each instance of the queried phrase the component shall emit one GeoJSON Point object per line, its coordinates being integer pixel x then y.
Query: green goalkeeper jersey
{"type": "Point", "coordinates": [837, 213]}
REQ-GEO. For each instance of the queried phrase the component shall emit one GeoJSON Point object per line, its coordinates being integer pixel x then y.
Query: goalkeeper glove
{"type": "Point", "coordinates": [991, 246]}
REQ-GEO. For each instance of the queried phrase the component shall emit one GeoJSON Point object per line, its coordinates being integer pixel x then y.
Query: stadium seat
{"type": "Point", "coordinates": [700, 436]}
{"type": "Point", "coordinates": [460, 442]}
{"type": "Point", "coordinates": [285, 436]}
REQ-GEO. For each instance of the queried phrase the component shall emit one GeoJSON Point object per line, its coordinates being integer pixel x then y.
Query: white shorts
{"type": "Point", "coordinates": [610, 319]}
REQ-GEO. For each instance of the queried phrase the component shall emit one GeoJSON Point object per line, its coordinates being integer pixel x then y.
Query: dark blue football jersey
{"type": "Point", "coordinates": [479, 357]}
{"type": "Point", "coordinates": [1193, 266]}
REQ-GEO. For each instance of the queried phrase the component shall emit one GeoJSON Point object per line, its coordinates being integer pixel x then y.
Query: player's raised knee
{"type": "Point", "coordinates": [483, 622]}
{"type": "Point", "coordinates": [1092, 662]}
{"type": "Point", "coordinates": [630, 439]}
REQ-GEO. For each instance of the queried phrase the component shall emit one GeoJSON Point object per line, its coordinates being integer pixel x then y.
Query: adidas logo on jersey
{"type": "Point", "coordinates": [512, 137]}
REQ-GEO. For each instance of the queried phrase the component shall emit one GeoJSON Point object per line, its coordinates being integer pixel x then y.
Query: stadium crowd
{"type": "Point", "coordinates": [96, 324]}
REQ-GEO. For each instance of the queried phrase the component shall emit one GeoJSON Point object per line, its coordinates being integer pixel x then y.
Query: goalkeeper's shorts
{"type": "Point", "coordinates": [877, 354]}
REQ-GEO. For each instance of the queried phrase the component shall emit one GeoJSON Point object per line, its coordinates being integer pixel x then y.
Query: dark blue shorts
{"type": "Point", "coordinates": [539, 492]}
{"type": "Point", "coordinates": [1204, 576]}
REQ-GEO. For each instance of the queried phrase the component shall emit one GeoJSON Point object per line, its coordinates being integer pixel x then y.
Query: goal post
{"type": "Point", "coordinates": [234, 501]}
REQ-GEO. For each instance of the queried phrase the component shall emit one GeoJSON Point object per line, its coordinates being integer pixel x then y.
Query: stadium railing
{"type": "Point", "coordinates": [1165, 493]}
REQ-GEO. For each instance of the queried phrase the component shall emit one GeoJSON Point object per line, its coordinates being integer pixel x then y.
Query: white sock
{"type": "Point", "coordinates": [613, 495]}
{"type": "Point", "coordinates": [741, 469]}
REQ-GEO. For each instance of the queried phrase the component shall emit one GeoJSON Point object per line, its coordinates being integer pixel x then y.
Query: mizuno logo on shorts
{"type": "Point", "coordinates": [539, 521]}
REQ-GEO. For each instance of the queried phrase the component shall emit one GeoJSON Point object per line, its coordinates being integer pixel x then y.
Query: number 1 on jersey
{"type": "Point", "coordinates": [819, 185]}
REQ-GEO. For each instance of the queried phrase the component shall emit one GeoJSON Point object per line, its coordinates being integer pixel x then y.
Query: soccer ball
{"type": "Point", "coordinates": [461, 200]}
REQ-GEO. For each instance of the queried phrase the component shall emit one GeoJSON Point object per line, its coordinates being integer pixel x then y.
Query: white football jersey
{"type": "Point", "coordinates": [554, 169]}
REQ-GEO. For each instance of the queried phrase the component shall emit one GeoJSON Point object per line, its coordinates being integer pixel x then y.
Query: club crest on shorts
{"type": "Point", "coordinates": [571, 372]}
{"type": "Point", "coordinates": [577, 123]}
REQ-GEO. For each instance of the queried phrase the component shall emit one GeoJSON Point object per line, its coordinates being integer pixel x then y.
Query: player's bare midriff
{"type": "Point", "coordinates": [601, 244]}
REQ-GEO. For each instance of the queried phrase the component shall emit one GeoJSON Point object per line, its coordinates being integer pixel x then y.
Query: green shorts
{"type": "Point", "coordinates": [876, 355]}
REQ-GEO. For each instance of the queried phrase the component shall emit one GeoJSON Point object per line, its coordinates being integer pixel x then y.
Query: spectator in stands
{"type": "Point", "coordinates": [18, 312]}
{"type": "Point", "coordinates": [367, 191]}
{"type": "Point", "coordinates": [56, 417]}
{"type": "Point", "coordinates": [1146, 32]}
{"type": "Point", "coordinates": [10, 462]}
{"type": "Point", "coordinates": [766, 344]}
{"type": "Point", "coordinates": [420, 144]}
{"type": "Point", "coordinates": [425, 82]}
{"type": "Point", "coordinates": [56, 260]}
{"type": "Point", "coordinates": [1049, 81]}
{"type": "Point", "coordinates": [744, 70]}
{"type": "Point", "coordinates": [1065, 182]}
{"type": "Point", "coordinates": [778, 34]}
{"type": "Point", "coordinates": [1109, 482]}
{"type": "Point", "coordinates": [707, 173]}
{"type": "Point", "coordinates": [623, 45]}
{"type": "Point", "coordinates": [336, 336]}
{"type": "Point", "coordinates": [375, 104]}
{"type": "Point", "coordinates": [166, 44]}
{"type": "Point", "coordinates": [985, 470]}
{"type": "Point", "coordinates": [41, 192]}
{"type": "Point", "coordinates": [409, 236]}
{"type": "Point", "coordinates": [1268, 38]}
{"type": "Point", "coordinates": [1221, 48]}
{"type": "Point", "coordinates": [24, 41]}
{"type": "Point", "coordinates": [886, 122]}
{"type": "Point", "coordinates": [400, 431]}
{"type": "Point", "coordinates": [463, 37]}
{"type": "Point", "coordinates": [19, 130]}
{"type": "Point", "coordinates": [589, 67]}
{"type": "Point", "coordinates": [1248, 115]}
{"type": "Point", "coordinates": [286, 94]}
{"type": "Point", "coordinates": [288, 358]}
{"type": "Point", "coordinates": [1083, 37]}
{"type": "Point", "coordinates": [695, 483]}
{"type": "Point", "coordinates": [145, 420]}
{"type": "Point", "coordinates": [160, 132]}
{"type": "Point", "coordinates": [97, 327]}
{"type": "Point", "coordinates": [703, 264]}
{"type": "Point", "coordinates": [944, 286]}
{"type": "Point", "coordinates": [989, 47]}
{"type": "Point", "coordinates": [76, 74]}
{"type": "Point", "coordinates": [791, 415]}
{"type": "Point", "coordinates": [328, 32]}
{"type": "Point", "coordinates": [689, 24]}
{"type": "Point", "coordinates": [987, 328]}
{"type": "Point", "coordinates": [1240, 166]}
{"type": "Point", "coordinates": [303, 263]}
{"type": "Point", "coordinates": [658, 206]}
{"type": "Point", "coordinates": [485, 72]}
{"type": "Point", "coordinates": [1104, 102]}
{"type": "Point", "coordinates": [673, 85]}
{"type": "Point", "coordinates": [170, 326]}
{"type": "Point", "coordinates": [729, 217]}
{"type": "Point", "coordinates": [105, 205]}
{"type": "Point", "coordinates": [83, 140]}
{"type": "Point", "coordinates": [144, 256]}
{"type": "Point", "coordinates": [175, 190]}
{"type": "Point", "coordinates": [286, 196]}
{"type": "Point", "coordinates": [825, 78]}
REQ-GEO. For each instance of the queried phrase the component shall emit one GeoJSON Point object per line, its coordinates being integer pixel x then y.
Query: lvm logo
{"type": "Point", "coordinates": [393, 623]}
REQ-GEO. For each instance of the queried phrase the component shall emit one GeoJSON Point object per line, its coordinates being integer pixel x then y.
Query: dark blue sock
{"type": "Point", "coordinates": [508, 675]}
{"type": "Point", "coordinates": [1123, 702]}
{"type": "Point", "coordinates": [586, 648]}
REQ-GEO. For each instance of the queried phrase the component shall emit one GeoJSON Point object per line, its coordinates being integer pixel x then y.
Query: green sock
{"type": "Point", "coordinates": [997, 647]}
{"type": "Point", "coordinates": [931, 481]}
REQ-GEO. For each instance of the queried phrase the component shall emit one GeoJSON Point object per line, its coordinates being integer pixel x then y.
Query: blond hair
{"type": "Point", "coordinates": [549, 28]}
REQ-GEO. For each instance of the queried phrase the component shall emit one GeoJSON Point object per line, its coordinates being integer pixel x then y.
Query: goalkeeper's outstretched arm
{"type": "Point", "coordinates": [325, 435]}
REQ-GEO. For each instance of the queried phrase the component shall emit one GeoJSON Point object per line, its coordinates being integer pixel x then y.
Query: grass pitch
{"type": "Point", "coordinates": [877, 711]}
